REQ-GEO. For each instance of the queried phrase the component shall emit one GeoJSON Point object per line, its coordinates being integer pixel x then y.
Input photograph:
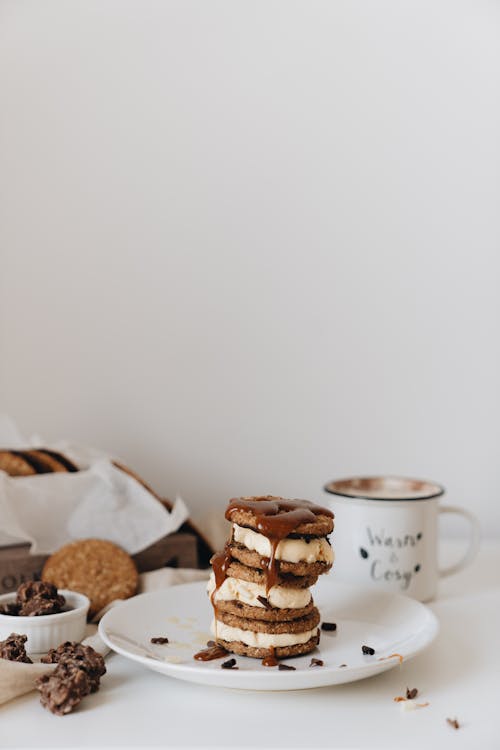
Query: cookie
{"type": "Point", "coordinates": [52, 461]}
{"type": "Point", "coordinates": [16, 464]}
{"type": "Point", "coordinates": [273, 516]}
{"type": "Point", "coordinates": [268, 614]}
{"type": "Point", "coordinates": [34, 461]}
{"type": "Point", "coordinates": [298, 625]}
{"type": "Point", "coordinates": [95, 567]}
{"type": "Point", "coordinates": [253, 560]}
{"type": "Point", "coordinates": [280, 652]}
{"type": "Point", "coordinates": [257, 575]}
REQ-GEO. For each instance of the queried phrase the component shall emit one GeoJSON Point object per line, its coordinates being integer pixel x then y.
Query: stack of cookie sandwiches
{"type": "Point", "coordinates": [259, 586]}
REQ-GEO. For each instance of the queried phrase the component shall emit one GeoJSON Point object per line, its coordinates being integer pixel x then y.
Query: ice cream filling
{"type": "Point", "coordinates": [246, 592]}
{"type": "Point", "coordinates": [291, 550]}
{"type": "Point", "coordinates": [259, 640]}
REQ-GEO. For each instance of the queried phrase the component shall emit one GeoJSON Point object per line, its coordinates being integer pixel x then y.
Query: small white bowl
{"type": "Point", "coordinates": [47, 631]}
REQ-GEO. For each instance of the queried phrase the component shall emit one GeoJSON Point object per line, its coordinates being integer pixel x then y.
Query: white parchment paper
{"type": "Point", "coordinates": [100, 501]}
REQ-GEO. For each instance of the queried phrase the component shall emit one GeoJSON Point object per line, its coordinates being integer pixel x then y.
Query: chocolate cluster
{"type": "Point", "coordinates": [84, 657]}
{"type": "Point", "coordinates": [78, 673]}
{"type": "Point", "coordinates": [13, 648]}
{"type": "Point", "coordinates": [35, 598]}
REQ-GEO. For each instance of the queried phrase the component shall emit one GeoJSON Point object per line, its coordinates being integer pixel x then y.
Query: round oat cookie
{"type": "Point", "coordinates": [95, 567]}
{"type": "Point", "coordinates": [300, 625]}
{"type": "Point", "coordinates": [244, 511]}
{"type": "Point", "coordinates": [236, 569]}
{"type": "Point", "coordinates": [269, 614]}
{"type": "Point", "coordinates": [281, 652]}
{"type": "Point", "coordinates": [252, 559]}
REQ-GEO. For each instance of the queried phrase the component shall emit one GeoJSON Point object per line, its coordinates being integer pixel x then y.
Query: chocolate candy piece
{"type": "Point", "coordinates": [36, 598]}
{"type": "Point", "coordinates": [62, 691]}
{"type": "Point", "coordinates": [30, 589]}
{"type": "Point", "coordinates": [11, 609]}
{"type": "Point", "coordinates": [81, 657]}
{"type": "Point", "coordinates": [12, 648]}
{"type": "Point", "coordinates": [368, 650]}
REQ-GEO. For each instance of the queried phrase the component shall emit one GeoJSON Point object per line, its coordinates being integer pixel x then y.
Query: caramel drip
{"type": "Point", "coordinates": [276, 518]}
{"type": "Point", "coordinates": [272, 568]}
{"type": "Point", "coordinates": [220, 563]}
{"type": "Point", "coordinates": [213, 652]}
{"type": "Point", "coordinates": [270, 660]}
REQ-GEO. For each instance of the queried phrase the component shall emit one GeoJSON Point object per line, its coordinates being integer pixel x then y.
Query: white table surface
{"type": "Point", "coordinates": [459, 675]}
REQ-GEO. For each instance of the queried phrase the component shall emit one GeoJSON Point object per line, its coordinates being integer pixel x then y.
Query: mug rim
{"type": "Point", "coordinates": [358, 495]}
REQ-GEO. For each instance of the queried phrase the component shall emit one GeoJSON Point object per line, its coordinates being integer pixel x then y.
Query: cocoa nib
{"type": "Point", "coordinates": [285, 668]}
{"type": "Point", "coordinates": [316, 663]}
{"type": "Point", "coordinates": [160, 640]}
{"type": "Point", "coordinates": [368, 650]}
{"type": "Point", "coordinates": [229, 664]}
{"type": "Point", "coordinates": [329, 626]}
{"type": "Point", "coordinates": [411, 694]}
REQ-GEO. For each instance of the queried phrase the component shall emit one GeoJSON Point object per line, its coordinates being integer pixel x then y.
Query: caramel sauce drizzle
{"type": "Point", "coordinates": [270, 660]}
{"type": "Point", "coordinates": [220, 563]}
{"type": "Point", "coordinates": [213, 652]}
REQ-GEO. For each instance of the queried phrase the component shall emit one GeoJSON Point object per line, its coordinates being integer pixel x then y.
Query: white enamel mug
{"type": "Point", "coordinates": [386, 534]}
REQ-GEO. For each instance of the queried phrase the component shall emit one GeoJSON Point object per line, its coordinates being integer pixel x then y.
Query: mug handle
{"type": "Point", "coordinates": [474, 539]}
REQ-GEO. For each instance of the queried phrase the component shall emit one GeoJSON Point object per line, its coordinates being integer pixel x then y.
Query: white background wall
{"type": "Point", "coordinates": [252, 246]}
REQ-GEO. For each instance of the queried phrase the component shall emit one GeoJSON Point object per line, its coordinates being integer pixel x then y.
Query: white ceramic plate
{"type": "Point", "coordinates": [389, 623]}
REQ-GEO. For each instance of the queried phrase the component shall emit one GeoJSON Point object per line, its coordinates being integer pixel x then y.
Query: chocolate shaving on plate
{"type": "Point", "coordinates": [368, 650]}
{"type": "Point", "coordinates": [453, 723]}
{"type": "Point", "coordinates": [316, 663]}
{"type": "Point", "coordinates": [329, 626]}
{"type": "Point", "coordinates": [411, 694]}
{"type": "Point", "coordinates": [159, 640]}
{"type": "Point", "coordinates": [229, 664]}
{"type": "Point", "coordinates": [285, 667]}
